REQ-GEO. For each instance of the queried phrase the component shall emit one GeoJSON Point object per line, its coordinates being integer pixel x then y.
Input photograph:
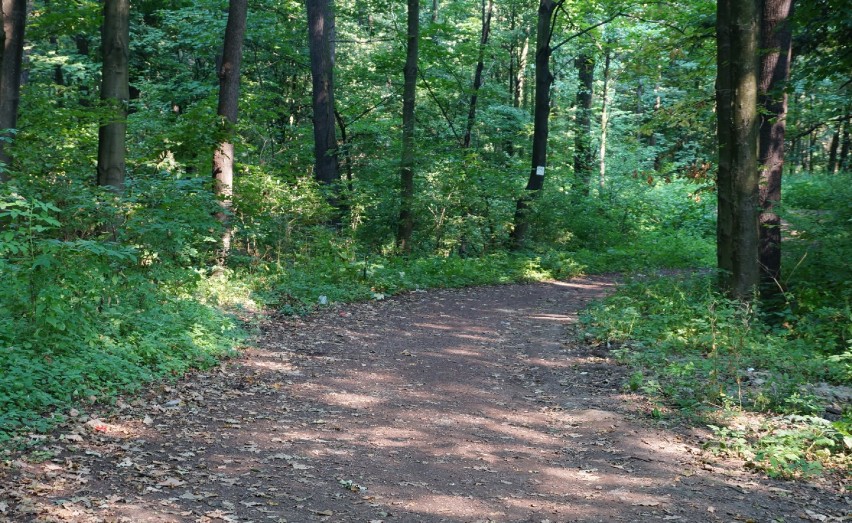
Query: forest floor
{"type": "Point", "coordinates": [472, 405]}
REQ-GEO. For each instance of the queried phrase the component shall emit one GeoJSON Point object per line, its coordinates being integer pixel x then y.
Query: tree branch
{"type": "Point", "coordinates": [586, 30]}
{"type": "Point", "coordinates": [441, 107]}
{"type": "Point", "coordinates": [814, 127]}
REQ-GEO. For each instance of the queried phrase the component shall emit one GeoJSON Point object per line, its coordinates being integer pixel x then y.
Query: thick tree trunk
{"type": "Point", "coordinates": [115, 91]}
{"type": "Point", "coordinates": [775, 56]}
{"type": "Point", "coordinates": [543, 79]}
{"type": "Point", "coordinates": [321, 43]}
{"type": "Point", "coordinates": [737, 116]}
{"type": "Point", "coordinates": [406, 211]}
{"type": "Point", "coordinates": [229, 96]}
{"type": "Point", "coordinates": [14, 22]}
{"type": "Point", "coordinates": [583, 133]}
{"type": "Point", "coordinates": [487, 8]}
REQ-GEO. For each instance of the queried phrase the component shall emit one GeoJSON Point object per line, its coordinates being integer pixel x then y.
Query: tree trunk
{"type": "Point", "coordinates": [605, 114]}
{"type": "Point", "coordinates": [543, 79]}
{"type": "Point", "coordinates": [229, 96]}
{"type": "Point", "coordinates": [775, 56]}
{"type": "Point", "coordinates": [487, 8]}
{"type": "Point", "coordinates": [521, 73]}
{"type": "Point", "coordinates": [737, 118]}
{"type": "Point", "coordinates": [434, 11]}
{"type": "Point", "coordinates": [832, 151]}
{"type": "Point", "coordinates": [321, 43]}
{"type": "Point", "coordinates": [844, 148]}
{"type": "Point", "coordinates": [583, 133]}
{"type": "Point", "coordinates": [14, 22]}
{"type": "Point", "coordinates": [406, 211]}
{"type": "Point", "coordinates": [115, 92]}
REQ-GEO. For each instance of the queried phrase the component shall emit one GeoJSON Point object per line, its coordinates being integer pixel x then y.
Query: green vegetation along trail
{"type": "Point", "coordinates": [470, 405]}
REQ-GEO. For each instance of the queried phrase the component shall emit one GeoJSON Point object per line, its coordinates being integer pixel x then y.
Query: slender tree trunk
{"type": "Point", "coordinates": [842, 164]}
{"type": "Point", "coordinates": [115, 91]}
{"type": "Point", "coordinates": [737, 240]}
{"type": "Point", "coordinates": [775, 56]}
{"type": "Point", "coordinates": [229, 96]}
{"type": "Point", "coordinates": [406, 211]}
{"type": "Point", "coordinates": [521, 74]}
{"type": "Point", "coordinates": [14, 23]}
{"type": "Point", "coordinates": [543, 80]}
{"type": "Point", "coordinates": [605, 115]}
{"type": "Point", "coordinates": [832, 151]}
{"type": "Point", "coordinates": [807, 160]}
{"type": "Point", "coordinates": [583, 133]}
{"type": "Point", "coordinates": [487, 8]}
{"type": "Point", "coordinates": [321, 43]}
{"type": "Point", "coordinates": [347, 158]}
{"type": "Point", "coordinates": [435, 11]}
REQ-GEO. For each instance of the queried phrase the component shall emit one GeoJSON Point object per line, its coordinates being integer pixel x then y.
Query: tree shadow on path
{"type": "Point", "coordinates": [442, 406]}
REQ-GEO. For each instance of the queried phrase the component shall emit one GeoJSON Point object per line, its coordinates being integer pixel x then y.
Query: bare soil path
{"type": "Point", "coordinates": [466, 405]}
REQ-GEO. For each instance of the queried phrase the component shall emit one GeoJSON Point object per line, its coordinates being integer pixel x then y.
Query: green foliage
{"type": "Point", "coordinates": [85, 317]}
{"type": "Point", "coordinates": [786, 446]}
{"type": "Point", "coordinates": [703, 352]}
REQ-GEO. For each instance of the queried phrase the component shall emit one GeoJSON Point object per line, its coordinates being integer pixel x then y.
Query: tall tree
{"type": "Point", "coordinates": [406, 211]}
{"type": "Point", "coordinates": [737, 26]}
{"type": "Point", "coordinates": [607, 80]}
{"type": "Point", "coordinates": [583, 134]}
{"type": "Point", "coordinates": [487, 8]}
{"type": "Point", "coordinates": [229, 96]}
{"type": "Point", "coordinates": [115, 92]}
{"type": "Point", "coordinates": [321, 44]}
{"type": "Point", "coordinates": [543, 80]}
{"type": "Point", "coordinates": [14, 23]}
{"type": "Point", "coordinates": [775, 56]}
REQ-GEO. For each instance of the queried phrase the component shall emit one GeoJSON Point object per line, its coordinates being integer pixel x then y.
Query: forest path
{"type": "Point", "coordinates": [469, 405]}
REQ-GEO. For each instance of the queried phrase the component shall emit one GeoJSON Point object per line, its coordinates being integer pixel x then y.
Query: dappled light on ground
{"type": "Point", "coordinates": [450, 406]}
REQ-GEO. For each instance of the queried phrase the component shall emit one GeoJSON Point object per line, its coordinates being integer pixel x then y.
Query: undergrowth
{"type": "Point", "coordinates": [712, 357]}
{"type": "Point", "coordinates": [104, 295]}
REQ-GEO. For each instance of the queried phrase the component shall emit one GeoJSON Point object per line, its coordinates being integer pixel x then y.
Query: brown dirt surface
{"type": "Point", "coordinates": [473, 405]}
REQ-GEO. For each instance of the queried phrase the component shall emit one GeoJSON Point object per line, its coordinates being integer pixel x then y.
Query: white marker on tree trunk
{"type": "Point", "coordinates": [539, 171]}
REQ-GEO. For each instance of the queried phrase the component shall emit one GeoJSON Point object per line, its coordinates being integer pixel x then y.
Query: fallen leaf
{"type": "Point", "coordinates": [816, 516]}
{"type": "Point", "coordinates": [647, 504]}
{"type": "Point", "coordinates": [171, 482]}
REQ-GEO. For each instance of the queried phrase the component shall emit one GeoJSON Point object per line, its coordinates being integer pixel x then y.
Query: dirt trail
{"type": "Point", "coordinates": [457, 406]}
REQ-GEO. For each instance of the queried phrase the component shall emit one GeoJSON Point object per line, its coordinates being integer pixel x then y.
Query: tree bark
{"type": "Point", "coordinates": [844, 148]}
{"type": "Point", "coordinates": [832, 151]}
{"type": "Point", "coordinates": [775, 56]}
{"type": "Point", "coordinates": [14, 23]}
{"type": "Point", "coordinates": [583, 133]}
{"type": "Point", "coordinates": [115, 92]}
{"type": "Point", "coordinates": [487, 8]}
{"type": "Point", "coordinates": [229, 96]}
{"type": "Point", "coordinates": [605, 114]}
{"type": "Point", "coordinates": [543, 79]}
{"type": "Point", "coordinates": [321, 43]}
{"type": "Point", "coordinates": [738, 121]}
{"type": "Point", "coordinates": [406, 211]}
